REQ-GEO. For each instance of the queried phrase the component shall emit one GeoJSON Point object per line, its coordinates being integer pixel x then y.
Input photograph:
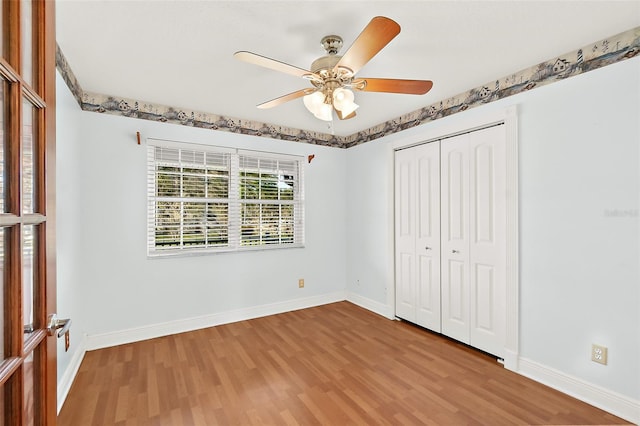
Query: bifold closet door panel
{"type": "Point", "coordinates": [451, 237]}
{"type": "Point", "coordinates": [405, 235]}
{"type": "Point", "coordinates": [454, 196]}
{"type": "Point", "coordinates": [427, 247]}
{"type": "Point", "coordinates": [487, 279]}
{"type": "Point", "coordinates": [417, 210]}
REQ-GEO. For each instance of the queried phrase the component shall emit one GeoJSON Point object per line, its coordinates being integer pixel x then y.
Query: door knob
{"type": "Point", "coordinates": [427, 248]}
{"type": "Point", "coordinates": [455, 251]}
{"type": "Point", "coordinates": [55, 323]}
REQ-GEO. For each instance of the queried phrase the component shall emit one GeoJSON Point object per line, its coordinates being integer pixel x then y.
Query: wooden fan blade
{"type": "Point", "coordinates": [286, 98]}
{"type": "Point", "coordinates": [376, 35]}
{"type": "Point", "coordinates": [392, 85]}
{"type": "Point", "coordinates": [263, 61]}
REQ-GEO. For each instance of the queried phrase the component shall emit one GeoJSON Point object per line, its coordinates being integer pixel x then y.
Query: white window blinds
{"type": "Point", "coordinates": [208, 199]}
{"type": "Point", "coordinates": [270, 205]}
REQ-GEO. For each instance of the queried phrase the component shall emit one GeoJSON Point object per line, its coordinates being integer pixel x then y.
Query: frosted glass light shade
{"type": "Point", "coordinates": [315, 104]}
{"type": "Point", "coordinates": [343, 101]}
{"type": "Point", "coordinates": [324, 112]}
{"type": "Point", "coordinates": [313, 101]}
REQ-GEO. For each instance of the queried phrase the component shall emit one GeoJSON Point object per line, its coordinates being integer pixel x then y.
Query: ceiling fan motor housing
{"type": "Point", "coordinates": [330, 79]}
{"type": "Point", "coordinates": [324, 67]}
{"type": "Point", "coordinates": [324, 63]}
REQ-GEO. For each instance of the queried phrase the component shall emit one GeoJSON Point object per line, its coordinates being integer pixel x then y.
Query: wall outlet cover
{"type": "Point", "coordinates": [599, 354]}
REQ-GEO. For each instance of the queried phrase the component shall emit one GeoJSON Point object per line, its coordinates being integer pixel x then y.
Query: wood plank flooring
{"type": "Point", "coordinates": [335, 364]}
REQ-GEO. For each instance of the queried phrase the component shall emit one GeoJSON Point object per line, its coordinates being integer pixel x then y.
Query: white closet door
{"type": "Point", "coordinates": [487, 278]}
{"type": "Point", "coordinates": [405, 234]}
{"type": "Point", "coordinates": [427, 246]}
{"type": "Point", "coordinates": [417, 188]}
{"type": "Point", "coordinates": [455, 236]}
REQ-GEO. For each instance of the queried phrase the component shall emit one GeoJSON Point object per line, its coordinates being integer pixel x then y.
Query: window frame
{"type": "Point", "coordinates": [292, 170]}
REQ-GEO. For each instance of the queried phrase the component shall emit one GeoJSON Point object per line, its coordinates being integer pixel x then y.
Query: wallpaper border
{"type": "Point", "coordinates": [596, 55]}
{"type": "Point", "coordinates": [68, 76]}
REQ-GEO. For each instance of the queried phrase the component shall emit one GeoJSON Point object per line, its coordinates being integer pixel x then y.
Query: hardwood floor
{"type": "Point", "coordinates": [335, 364]}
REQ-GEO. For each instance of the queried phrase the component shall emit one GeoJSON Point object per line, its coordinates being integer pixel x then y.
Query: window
{"type": "Point", "coordinates": [211, 199]}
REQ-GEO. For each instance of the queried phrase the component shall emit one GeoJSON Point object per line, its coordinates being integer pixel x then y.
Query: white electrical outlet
{"type": "Point", "coordinates": [599, 354]}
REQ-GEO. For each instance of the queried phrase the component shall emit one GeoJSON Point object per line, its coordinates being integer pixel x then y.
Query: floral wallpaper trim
{"type": "Point", "coordinates": [614, 49]}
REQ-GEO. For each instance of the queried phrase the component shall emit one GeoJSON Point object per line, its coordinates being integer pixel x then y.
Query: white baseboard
{"type": "Point", "coordinates": [510, 360]}
{"type": "Point", "coordinates": [371, 305]}
{"type": "Point", "coordinates": [105, 340]}
{"type": "Point", "coordinates": [67, 378]}
{"type": "Point", "coordinates": [605, 399]}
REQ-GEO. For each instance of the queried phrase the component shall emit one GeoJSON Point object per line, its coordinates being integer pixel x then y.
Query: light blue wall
{"type": "Point", "coordinates": [580, 276]}
{"type": "Point", "coordinates": [105, 280]}
{"type": "Point", "coordinates": [70, 288]}
{"type": "Point", "coordinates": [369, 206]}
{"type": "Point", "coordinates": [579, 265]}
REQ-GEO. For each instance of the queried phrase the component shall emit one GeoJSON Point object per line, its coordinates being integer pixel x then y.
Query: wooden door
{"type": "Point", "coordinates": [27, 243]}
{"type": "Point", "coordinates": [417, 185]}
{"type": "Point", "coordinates": [487, 240]}
{"type": "Point", "coordinates": [454, 198]}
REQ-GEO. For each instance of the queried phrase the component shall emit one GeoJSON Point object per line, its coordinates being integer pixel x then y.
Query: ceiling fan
{"type": "Point", "coordinates": [332, 76]}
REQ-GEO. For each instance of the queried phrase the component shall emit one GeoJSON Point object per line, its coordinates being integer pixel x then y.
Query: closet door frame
{"type": "Point", "coordinates": [474, 120]}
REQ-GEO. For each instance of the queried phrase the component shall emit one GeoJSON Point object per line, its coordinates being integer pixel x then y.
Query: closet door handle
{"type": "Point", "coordinates": [455, 251]}
{"type": "Point", "coordinates": [427, 248]}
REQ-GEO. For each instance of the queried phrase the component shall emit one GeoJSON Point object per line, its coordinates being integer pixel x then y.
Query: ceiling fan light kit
{"type": "Point", "coordinates": [332, 75]}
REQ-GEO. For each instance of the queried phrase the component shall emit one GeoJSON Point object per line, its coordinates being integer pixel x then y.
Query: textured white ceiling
{"type": "Point", "coordinates": [180, 53]}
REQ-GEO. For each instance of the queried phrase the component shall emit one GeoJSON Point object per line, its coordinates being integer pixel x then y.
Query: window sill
{"type": "Point", "coordinates": [165, 254]}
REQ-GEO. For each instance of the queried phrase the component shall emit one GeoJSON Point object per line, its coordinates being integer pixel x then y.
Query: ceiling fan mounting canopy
{"type": "Point", "coordinates": [332, 44]}
{"type": "Point", "coordinates": [332, 76]}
